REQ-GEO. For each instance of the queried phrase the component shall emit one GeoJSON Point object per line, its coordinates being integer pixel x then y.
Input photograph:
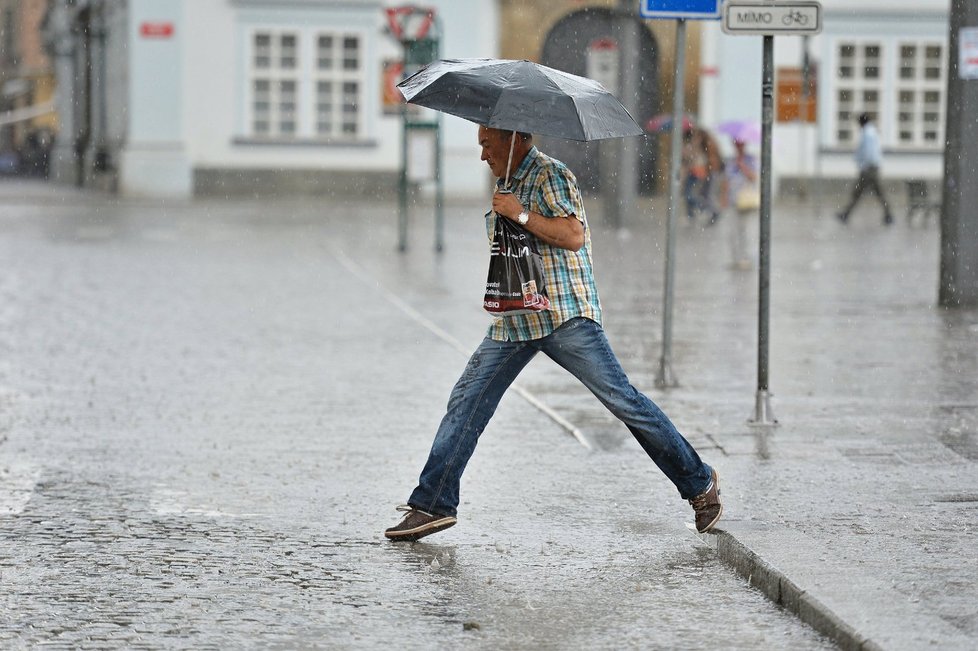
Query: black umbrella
{"type": "Point", "coordinates": [520, 96]}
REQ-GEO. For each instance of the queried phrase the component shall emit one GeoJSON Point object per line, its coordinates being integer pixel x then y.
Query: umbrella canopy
{"type": "Point", "coordinates": [520, 96]}
{"type": "Point", "coordinates": [663, 122]}
{"type": "Point", "coordinates": [742, 130]}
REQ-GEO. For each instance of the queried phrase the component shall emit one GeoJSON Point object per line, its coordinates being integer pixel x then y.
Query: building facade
{"type": "Point", "coordinates": [887, 59]}
{"type": "Point", "coordinates": [243, 97]}
{"type": "Point", "coordinates": [185, 97]}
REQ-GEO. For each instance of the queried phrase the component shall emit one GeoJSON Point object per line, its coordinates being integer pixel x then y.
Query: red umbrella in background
{"type": "Point", "coordinates": [663, 122]}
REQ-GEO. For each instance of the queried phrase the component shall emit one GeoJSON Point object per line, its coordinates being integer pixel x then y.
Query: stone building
{"type": "Point", "coordinates": [27, 118]}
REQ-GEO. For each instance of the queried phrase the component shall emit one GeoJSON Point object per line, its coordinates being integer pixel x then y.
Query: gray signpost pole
{"type": "Point", "coordinates": [419, 49]}
{"type": "Point", "coordinates": [665, 377]}
{"type": "Point", "coordinates": [767, 19]}
{"type": "Point", "coordinates": [762, 407]}
{"type": "Point", "coordinates": [680, 11]}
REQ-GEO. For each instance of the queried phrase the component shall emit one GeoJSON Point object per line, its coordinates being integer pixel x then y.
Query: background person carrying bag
{"type": "Point", "coordinates": [744, 195]}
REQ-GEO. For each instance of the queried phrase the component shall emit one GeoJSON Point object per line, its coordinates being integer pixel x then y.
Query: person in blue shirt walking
{"type": "Point", "coordinates": [869, 155]}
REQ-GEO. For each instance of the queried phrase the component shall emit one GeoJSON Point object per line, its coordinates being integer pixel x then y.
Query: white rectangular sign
{"type": "Point", "coordinates": [968, 53]}
{"type": "Point", "coordinates": [772, 18]}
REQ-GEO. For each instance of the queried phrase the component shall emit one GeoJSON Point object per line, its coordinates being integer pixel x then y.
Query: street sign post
{"type": "Point", "coordinates": [680, 11]}
{"type": "Point", "coordinates": [419, 32]}
{"type": "Point", "coordinates": [772, 18]}
{"type": "Point", "coordinates": [693, 9]}
{"type": "Point", "coordinates": [751, 17]}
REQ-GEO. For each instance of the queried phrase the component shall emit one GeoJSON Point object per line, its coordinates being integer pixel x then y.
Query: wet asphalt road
{"type": "Point", "coordinates": [208, 411]}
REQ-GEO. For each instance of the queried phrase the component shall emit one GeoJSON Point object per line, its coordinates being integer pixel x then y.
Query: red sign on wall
{"type": "Point", "coordinates": [156, 30]}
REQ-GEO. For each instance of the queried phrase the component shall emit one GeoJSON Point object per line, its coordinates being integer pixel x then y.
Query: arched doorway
{"type": "Point", "coordinates": [577, 37]}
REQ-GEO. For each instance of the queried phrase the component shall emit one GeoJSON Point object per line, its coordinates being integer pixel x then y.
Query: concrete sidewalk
{"type": "Point", "coordinates": [208, 410]}
{"type": "Point", "coordinates": [857, 511]}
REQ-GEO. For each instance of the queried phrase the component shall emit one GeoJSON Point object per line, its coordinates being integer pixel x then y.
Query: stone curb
{"type": "Point", "coordinates": [780, 589]}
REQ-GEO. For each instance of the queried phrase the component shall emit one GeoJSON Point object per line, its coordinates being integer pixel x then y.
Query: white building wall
{"type": "Point", "coordinates": [210, 85]}
{"type": "Point", "coordinates": [214, 110]}
{"type": "Point", "coordinates": [732, 89]}
{"type": "Point", "coordinates": [216, 86]}
{"type": "Point", "coordinates": [154, 160]}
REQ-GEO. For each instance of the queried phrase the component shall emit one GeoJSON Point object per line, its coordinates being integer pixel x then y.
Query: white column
{"type": "Point", "coordinates": [154, 161]}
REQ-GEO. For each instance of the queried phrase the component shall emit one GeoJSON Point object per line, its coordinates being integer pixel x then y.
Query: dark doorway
{"type": "Point", "coordinates": [568, 47]}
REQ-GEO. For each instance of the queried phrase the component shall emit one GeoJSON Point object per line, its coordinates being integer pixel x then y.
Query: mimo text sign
{"type": "Point", "coordinates": [772, 18]}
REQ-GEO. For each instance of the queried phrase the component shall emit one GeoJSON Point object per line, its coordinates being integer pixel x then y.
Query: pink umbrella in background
{"type": "Point", "coordinates": [742, 130]}
{"type": "Point", "coordinates": [663, 122]}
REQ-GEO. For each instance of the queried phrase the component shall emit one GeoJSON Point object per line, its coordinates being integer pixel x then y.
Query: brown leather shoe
{"type": "Point", "coordinates": [418, 524]}
{"type": "Point", "coordinates": [707, 506]}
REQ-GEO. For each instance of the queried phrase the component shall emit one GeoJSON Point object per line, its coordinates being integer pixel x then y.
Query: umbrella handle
{"type": "Point", "coordinates": [509, 161]}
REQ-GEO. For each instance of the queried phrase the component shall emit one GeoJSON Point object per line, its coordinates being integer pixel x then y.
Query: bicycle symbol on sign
{"type": "Point", "coordinates": [795, 18]}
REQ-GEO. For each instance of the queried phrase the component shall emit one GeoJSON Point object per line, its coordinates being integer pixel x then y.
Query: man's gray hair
{"type": "Point", "coordinates": [524, 136]}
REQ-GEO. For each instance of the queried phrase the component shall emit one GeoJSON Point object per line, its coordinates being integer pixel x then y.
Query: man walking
{"type": "Point", "coordinates": [869, 155]}
{"type": "Point", "coordinates": [543, 197]}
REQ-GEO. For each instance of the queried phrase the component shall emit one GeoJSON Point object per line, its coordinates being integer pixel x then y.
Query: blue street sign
{"type": "Point", "coordinates": [689, 9]}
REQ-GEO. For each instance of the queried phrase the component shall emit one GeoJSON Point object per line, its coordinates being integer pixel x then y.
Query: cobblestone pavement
{"type": "Point", "coordinates": [208, 411]}
{"type": "Point", "coordinates": [862, 499]}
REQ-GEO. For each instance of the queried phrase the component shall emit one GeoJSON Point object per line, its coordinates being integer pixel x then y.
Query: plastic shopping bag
{"type": "Point", "coordinates": [515, 284]}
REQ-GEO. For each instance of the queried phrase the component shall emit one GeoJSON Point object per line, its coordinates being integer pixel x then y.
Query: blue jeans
{"type": "Point", "coordinates": [580, 346]}
{"type": "Point", "coordinates": [699, 197]}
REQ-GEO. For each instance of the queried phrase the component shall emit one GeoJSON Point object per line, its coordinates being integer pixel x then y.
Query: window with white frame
{"type": "Point", "coordinates": [900, 82]}
{"type": "Point", "coordinates": [339, 84]}
{"type": "Point", "coordinates": [305, 84]}
{"type": "Point", "coordinates": [274, 83]}
{"type": "Point", "coordinates": [859, 86]}
{"type": "Point", "coordinates": [920, 94]}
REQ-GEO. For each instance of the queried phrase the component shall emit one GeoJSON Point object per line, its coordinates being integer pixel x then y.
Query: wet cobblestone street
{"type": "Point", "coordinates": [208, 411]}
{"type": "Point", "coordinates": [206, 420]}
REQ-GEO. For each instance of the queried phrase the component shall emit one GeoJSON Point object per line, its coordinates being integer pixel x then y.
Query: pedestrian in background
{"type": "Point", "coordinates": [693, 170]}
{"type": "Point", "coordinates": [742, 195]}
{"type": "Point", "coordinates": [714, 176]}
{"type": "Point", "coordinates": [544, 199]}
{"type": "Point", "coordinates": [702, 166]}
{"type": "Point", "coordinates": [869, 156]}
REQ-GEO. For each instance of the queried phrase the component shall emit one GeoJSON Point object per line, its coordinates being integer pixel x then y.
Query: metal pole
{"type": "Point", "coordinates": [63, 42]}
{"type": "Point", "coordinates": [402, 208]}
{"type": "Point", "coordinates": [665, 376]}
{"type": "Point", "coordinates": [439, 181]}
{"type": "Point", "coordinates": [762, 408]}
{"type": "Point", "coordinates": [627, 148]}
{"type": "Point", "coordinates": [958, 287]}
{"type": "Point", "coordinates": [439, 193]}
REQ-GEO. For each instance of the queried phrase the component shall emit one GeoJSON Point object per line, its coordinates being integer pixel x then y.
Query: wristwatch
{"type": "Point", "coordinates": [523, 217]}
